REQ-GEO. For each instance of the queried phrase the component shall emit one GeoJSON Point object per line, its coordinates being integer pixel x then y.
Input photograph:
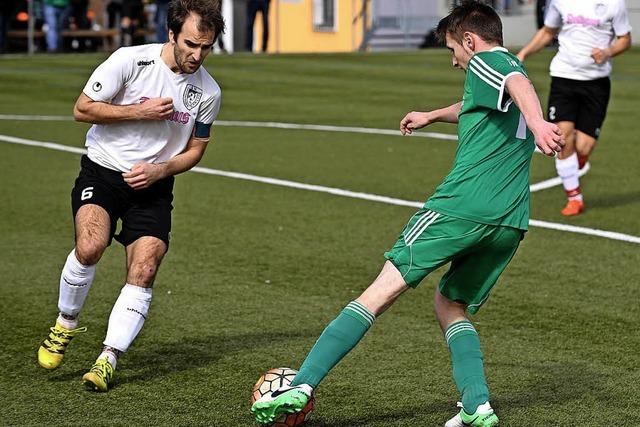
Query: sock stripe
{"type": "Point", "coordinates": [457, 328]}
{"type": "Point", "coordinates": [362, 311]}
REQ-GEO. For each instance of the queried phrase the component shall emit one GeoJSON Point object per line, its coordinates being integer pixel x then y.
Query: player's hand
{"type": "Point", "coordinates": [156, 109]}
{"type": "Point", "coordinates": [520, 56]}
{"type": "Point", "coordinates": [414, 120]}
{"type": "Point", "coordinates": [142, 175]}
{"type": "Point", "coordinates": [600, 55]}
{"type": "Point", "coordinates": [548, 138]}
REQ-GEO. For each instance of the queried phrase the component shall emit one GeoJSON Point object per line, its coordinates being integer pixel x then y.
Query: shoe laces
{"type": "Point", "coordinates": [59, 338]}
{"type": "Point", "coordinates": [103, 369]}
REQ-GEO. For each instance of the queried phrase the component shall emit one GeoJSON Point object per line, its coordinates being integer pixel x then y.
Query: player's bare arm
{"type": "Point", "coordinates": [96, 112]}
{"type": "Point", "coordinates": [548, 136]}
{"type": "Point", "coordinates": [417, 119]}
{"type": "Point", "coordinates": [143, 175]}
{"type": "Point", "coordinates": [541, 38]}
{"type": "Point", "coordinates": [620, 44]}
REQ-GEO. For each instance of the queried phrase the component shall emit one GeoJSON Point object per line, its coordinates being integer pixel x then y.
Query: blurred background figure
{"type": "Point", "coordinates": [56, 16]}
{"type": "Point", "coordinates": [114, 13]}
{"type": "Point", "coordinates": [132, 18]}
{"type": "Point", "coordinates": [253, 7]}
{"type": "Point", "coordinates": [6, 13]}
{"type": "Point", "coordinates": [161, 21]}
{"type": "Point", "coordinates": [540, 7]}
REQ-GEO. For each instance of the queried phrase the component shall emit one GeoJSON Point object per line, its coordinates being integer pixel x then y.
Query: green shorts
{"type": "Point", "coordinates": [478, 254]}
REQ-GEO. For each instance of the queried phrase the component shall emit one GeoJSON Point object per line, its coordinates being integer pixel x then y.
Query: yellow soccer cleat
{"type": "Point", "coordinates": [98, 378]}
{"type": "Point", "coordinates": [52, 349]}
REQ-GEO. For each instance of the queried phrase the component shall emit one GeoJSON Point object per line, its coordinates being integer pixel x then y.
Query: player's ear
{"type": "Point", "coordinates": [468, 43]}
{"type": "Point", "coordinates": [172, 37]}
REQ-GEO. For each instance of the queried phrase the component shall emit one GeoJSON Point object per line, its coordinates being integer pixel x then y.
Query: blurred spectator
{"type": "Point", "coordinates": [6, 13]}
{"type": "Point", "coordinates": [79, 18]}
{"type": "Point", "coordinates": [161, 21]}
{"type": "Point", "coordinates": [132, 18]}
{"type": "Point", "coordinates": [114, 13]}
{"type": "Point", "coordinates": [540, 7]}
{"type": "Point", "coordinates": [253, 7]}
{"type": "Point", "coordinates": [56, 16]}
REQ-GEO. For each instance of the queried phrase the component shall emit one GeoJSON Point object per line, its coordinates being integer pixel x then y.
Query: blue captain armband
{"type": "Point", "coordinates": [202, 130]}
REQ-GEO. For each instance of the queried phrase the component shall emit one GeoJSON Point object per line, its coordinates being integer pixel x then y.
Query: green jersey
{"type": "Point", "coordinates": [489, 181]}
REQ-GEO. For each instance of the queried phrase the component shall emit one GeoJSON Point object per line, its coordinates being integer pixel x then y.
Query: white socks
{"type": "Point", "coordinates": [568, 172]}
{"type": "Point", "coordinates": [75, 282]}
{"type": "Point", "coordinates": [127, 317]}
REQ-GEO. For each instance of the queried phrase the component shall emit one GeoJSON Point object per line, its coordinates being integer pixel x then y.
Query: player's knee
{"type": "Point", "coordinates": [143, 273]}
{"type": "Point", "coordinates": [89, 253]}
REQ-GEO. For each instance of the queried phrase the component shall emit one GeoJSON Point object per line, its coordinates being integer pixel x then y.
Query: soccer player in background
{"type": "Point", "coordinates": [590, 33]}
{"type": "Point", "coordinates": [152, 107]}
{"type": "Point", "coordinates": [474, 220]}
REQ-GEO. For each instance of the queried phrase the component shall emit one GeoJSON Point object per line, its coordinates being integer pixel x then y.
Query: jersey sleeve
{"type": "Point", "coordinates": [488, 73]}
{"type": "Point", "coordinates": [552, 16]}
{"type": "Point", "coordinates": [110, 77]}
{"type": "Point", "coordinates": [620, 21]}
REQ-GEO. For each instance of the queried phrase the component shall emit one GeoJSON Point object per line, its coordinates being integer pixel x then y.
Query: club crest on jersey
{"type": "Point", "coordinates": [192, 96]}
{"type": "Point", "coordinates": [601, 9]}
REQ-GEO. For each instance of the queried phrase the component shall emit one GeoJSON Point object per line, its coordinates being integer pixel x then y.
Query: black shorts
{"type": "Point", "coordinates": [145, 212]}
{"type": "Point", "coordinates": [582, 102]}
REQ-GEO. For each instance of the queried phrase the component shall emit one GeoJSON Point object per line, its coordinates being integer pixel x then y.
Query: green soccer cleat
{"type": "Point", "coordinates": [52, 349]}
{"type": "Point", "coordinates": [98, 378]}
{"type": "Point", "coordinates": [483, 417]}
{"type": "Point", "coordinates": [285, 400]}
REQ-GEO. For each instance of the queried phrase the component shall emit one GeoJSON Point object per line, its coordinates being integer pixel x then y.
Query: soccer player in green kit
{"type": "Point", "coordinates": [474, 220]}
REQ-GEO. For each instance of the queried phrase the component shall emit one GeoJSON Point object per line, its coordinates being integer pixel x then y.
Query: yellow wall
{"type": "Point", "coordinates": [291, 28]}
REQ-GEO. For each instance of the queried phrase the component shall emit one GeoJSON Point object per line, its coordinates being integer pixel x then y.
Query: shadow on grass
{"type": "Point", "coordinates": [159, 359]}
{"type": "Point", "coordinates": [447, 409]}
{"type": "Point", "coordinates": [613, 200]}
{"type": "Point", "coordinates": [555, 384]}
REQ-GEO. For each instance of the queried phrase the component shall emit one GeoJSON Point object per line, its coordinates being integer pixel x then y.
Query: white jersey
{"type": "Point", "coordinates": [584, 25]}
{"type": "Point", "coordinates": [133, 75]}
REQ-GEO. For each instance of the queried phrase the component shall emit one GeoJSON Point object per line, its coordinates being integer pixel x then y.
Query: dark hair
{"type": "Point", "coordinates": [474, 17]}
{"type": "Point", "coordinates": [208, 10]}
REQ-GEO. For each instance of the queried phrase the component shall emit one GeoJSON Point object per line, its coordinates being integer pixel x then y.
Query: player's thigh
{"type": "Point", "coordinates": [143, 260]}
{"type": "Point", "coordinates": [95, 208]}
{"type": "Point", "coordinates": [93, 233]}
{"type": "Point", "coordinates": [384, 290]}
{"type": "Point", "coordinates": [472, 275]}
{"type": "Point", "coordinates": [430, 240]}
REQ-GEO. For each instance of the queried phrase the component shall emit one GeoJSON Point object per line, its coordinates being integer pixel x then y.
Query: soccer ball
{"type": "Point", "coordinates": [272, 380]}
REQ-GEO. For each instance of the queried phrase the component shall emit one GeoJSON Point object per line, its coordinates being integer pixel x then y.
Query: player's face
{"type": "Point", "coordinates": [191, 46]}
{"type": "Point", "coordinates": [459, 55]}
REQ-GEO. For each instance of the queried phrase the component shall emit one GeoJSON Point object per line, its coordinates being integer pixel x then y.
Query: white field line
{"type": "Point", "coordinates": [338, 192]}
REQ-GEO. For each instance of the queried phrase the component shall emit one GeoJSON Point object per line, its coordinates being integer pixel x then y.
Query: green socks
{"type": "Point", "coordinates": [338, 338]}
{"type": "Point", "coordinates": [468, 368]}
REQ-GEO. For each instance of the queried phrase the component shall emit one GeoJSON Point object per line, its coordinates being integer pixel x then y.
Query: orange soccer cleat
{"type": "Point", "coordinates": [574, 207]}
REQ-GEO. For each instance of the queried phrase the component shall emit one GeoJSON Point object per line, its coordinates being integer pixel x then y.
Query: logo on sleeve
{"type": "Point", "coordinates": [97, 87]}
{"type": "Point", "coordinates": [192, 96]}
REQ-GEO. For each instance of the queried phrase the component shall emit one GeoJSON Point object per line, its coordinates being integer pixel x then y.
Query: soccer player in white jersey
{"type": "Point", "coordinates": [590, 33]}
{"type": "Point", "coordinates": [152, 107]}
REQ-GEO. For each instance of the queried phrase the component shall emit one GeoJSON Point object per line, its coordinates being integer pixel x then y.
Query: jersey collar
{"type": "Point", "coordinates": [498, 49]}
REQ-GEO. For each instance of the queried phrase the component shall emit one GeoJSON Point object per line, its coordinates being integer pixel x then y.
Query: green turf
{"type": "Point", "coordinates": [255, 271]}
